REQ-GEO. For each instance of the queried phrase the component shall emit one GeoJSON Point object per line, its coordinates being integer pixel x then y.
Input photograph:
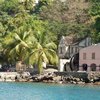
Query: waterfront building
{"type": "Point", "coordinates": [89, 58]}
{"type": "Point", "coordinates": [68, 51]}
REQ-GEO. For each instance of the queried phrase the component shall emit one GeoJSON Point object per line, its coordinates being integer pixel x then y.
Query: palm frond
{"type": "Point", "coordinates": [33, 56]}
{"type": "Point", "coordinates": [52, 56]}
{"type": "Point", "coordinates": [51, 45]}
{"type": "Point", "coordinates": [44, 57]}
{"type": "Point", "coordinates": [16, 37]}
{"type": "Point", "coordinates": [24, 44]}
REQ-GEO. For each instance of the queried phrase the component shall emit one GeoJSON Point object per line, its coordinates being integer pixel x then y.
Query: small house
{"type": "Point", "coordinates": [89, 58]}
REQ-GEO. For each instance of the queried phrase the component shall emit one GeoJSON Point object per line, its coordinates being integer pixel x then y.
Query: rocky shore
{"type": "Point", "coordinates": [14, 76]}
{"type": "Point", "coordinates": [92, 78]}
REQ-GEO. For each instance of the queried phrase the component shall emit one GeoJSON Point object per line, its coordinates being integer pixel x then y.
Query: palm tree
{"type": "Point", "coordinates": [43, 51]}
{"type": "Point", "coordinates": [21, 45]}
{"type": "Point", "coordinates": [17, 45]}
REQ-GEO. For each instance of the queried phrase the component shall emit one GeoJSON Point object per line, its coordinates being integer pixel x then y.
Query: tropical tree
{"type": "Point", "coordinates": [43, 51]}
{"type": "Point", "coordinates": [17, 45]}
{"type": "Point", "coordinates": [36, 48]}
{"type": "Point", "coordinates": [28, 4]}
{"type": "Point", "coordinates": [95, 20]}
{"type": "Point", "coordinates": [9, 6]}
{"type": "Point", "coordinates": [65, 17]}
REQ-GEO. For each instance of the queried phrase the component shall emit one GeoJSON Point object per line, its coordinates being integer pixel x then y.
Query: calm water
{"type": "Point", "coordinates": [38, 91]}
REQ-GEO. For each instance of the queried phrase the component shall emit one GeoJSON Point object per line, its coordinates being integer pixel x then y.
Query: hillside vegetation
{"type": "Point", "coordinates": [31, 32]}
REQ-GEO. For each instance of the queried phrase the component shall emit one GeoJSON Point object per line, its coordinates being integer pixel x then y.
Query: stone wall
{"type": "Point", "coordinates": [13, 76]}
{"type": "Point", "coordinates": [94, 76]}
{"type": "Point", "coordinates": [74, 74]}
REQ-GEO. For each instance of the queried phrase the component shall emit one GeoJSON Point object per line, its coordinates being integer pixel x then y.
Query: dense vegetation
{"type": "Point", "coordinates": [31, 32]}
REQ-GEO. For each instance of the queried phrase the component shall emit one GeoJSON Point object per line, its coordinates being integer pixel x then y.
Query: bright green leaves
{"type": "Point", "coordinates": [95, 20]}
{"type": "Point", "coordinates": [43, 51]}
{"type": "Point", "coordinates": [96, 30]}
{"type": "Point", "coordinates": [9, 6]}
{"type": "Point", "coordinates": [95, 9]}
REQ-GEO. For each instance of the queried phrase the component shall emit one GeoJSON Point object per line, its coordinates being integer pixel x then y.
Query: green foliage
{"type": "Point", "coordinates": [16, 45]}
{"type": "Point", "coordinates": [95, 15]}
{"type": "Point", "coordinates": [42, 4]}
{"type": "Point", "coordinates": [95, 9]}
{"type": "Point", "coordinates": [9, 6]}
{"type": "Point", "coordinates": [31, 31]}
{"type": "Point", "coordinates": [43, 51]}
{"type": "Point", "coordinates": [68, 17]}
{"type": "Point", "coordinates": [21, 35]}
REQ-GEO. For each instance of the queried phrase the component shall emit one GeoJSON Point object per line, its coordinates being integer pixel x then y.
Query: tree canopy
{"type": "Point", "coordinates": [26, 26]}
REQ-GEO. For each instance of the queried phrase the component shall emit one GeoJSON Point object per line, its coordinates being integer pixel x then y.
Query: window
{"type": "Point", "coordinates": [61, 50]}
{"type": "Point", "coordinates": [72, 49]}
{"type": "Point", "coordinates": [84, 56]}
{"type": "Point", "coordinates": [93, 67]}
{"type": "Point", "coordinates": [93, 55]}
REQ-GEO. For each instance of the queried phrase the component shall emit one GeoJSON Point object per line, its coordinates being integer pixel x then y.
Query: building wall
{"type": "Point", "coordinates": [62, 48]}
{"type": "Point", "coordinates": [89, 50]}
{"type": "Point", "coordinates": [85, 42]}
{"type": "Point", "coordinates": [67, 51]}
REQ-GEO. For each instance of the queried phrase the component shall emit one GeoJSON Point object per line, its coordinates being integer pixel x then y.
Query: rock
{"type": "Point", "coordinates": [25, 74]}
{"type": "Point", "coordinates": [76, 79]}
{"type": "Point", "coordinates": [57, 78]}
{"type": "Point", "coordinates": [97, 83]}
{"type": "Point", "coordinates": [74, 82]}
{"type": "Point", "coordinates": [44, 77]}
{"type": "Point", "coordinates": [60, 82]}
{"type": "Point", "coordinates": [67, 79]}
{"type": "Point", "coordinates": [81, 82]}
{"type": "Point", "coordinates": [94, 76]}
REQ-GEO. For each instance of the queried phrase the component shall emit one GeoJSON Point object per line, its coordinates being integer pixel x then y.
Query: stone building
{"type": "Point", "coordinates": [89, 58]}
{"type": "Point", "coordinates": [70, 46]}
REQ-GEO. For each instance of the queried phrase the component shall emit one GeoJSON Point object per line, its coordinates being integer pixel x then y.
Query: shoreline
{"type": "Point", "coordinates": [68, 84]}
{"type": "Point", "coordinates": [51, 78]}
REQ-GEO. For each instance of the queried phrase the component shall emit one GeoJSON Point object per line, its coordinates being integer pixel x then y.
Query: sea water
{"type": "Point", "coordinates": [40, 91]}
